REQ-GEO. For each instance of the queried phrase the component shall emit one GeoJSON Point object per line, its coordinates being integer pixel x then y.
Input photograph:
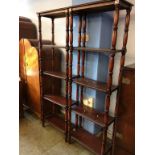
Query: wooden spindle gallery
{"type": "Point", "coordinates": [73, 130]}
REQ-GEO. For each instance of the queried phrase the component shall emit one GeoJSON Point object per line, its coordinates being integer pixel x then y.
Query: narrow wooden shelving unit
{"type": "Point", "coordinates": [100, 145]}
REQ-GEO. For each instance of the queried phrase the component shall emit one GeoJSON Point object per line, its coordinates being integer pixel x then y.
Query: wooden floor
{"type": "Point", "coordinates": [36, 140]}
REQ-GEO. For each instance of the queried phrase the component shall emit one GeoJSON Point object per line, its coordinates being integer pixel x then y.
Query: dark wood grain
{"type": "Point", "coordinates": [59, 100]}
{"type": "Point", "coordinates": [89, 140]}
{"type": "Point", "coordinates": [60, 75]}
{"type": "Point", "coordinates": [100, 86]}
{"type": "Point", "coordinates": [86, 49]}
{"type": "Point", "coordinates": [67, 74]}
{"type": "Point", "coordinates": [99, 50]}
{"type": "Point", "coordinates": [110, 74]}
{"type": "Point", "coordinates": [126, 112]}
{"type": "Point", "coordinates": [78, 65]}
{"type": "Point", "coordinates": [92, 114]}
{"type": "Point", "coordinates": [98, 145]}
{"type": "Point", "coordinates": [57, 122]}
{"type": "Point", "coordinates": [83, 58]}
{"type": "Point", "coordinates": [70, 72]}
{"type": "Point", "coordinates": [40, 71]}
{"type": "Point", "coordinates": [98, 6]}
{"type": "Point", "coordinates": [122, 61]}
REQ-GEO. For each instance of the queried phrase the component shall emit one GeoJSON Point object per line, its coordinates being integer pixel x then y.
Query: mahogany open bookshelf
{"type": "Point", "coordinates": [101, 145]}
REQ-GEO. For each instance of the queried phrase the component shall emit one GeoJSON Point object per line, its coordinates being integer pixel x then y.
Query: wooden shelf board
{"type": "Point", "coordinates": [59, 100]}
{"type": "Point", "coordinates": [57, 122]}
{"type": "Point", "coordinates": [87, 49]}
{"type": "Point", "coordinates": [53, 46]}
{"type": "Point", "coordinates": [60, 75]}
{"type": "Point", "coordinates": [92, 115]}
{"type": "Point", "coordinates": [89, 140]}
{"type": "Point", "coordinates": [98, 6]}
{"type": "Point", "coordinates": [99, 50]}
{"type": "Point", "coordinates": [100, 86]}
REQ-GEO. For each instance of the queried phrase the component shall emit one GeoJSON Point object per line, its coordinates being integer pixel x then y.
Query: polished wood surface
{"type": "Point", "coordinates": [92, 114]}
{"type": "Point", "coordinates": [98, 6]}
{"type": "Point", "coordinates": [125, 137]}
{"type": "Point", "coordinates": [122, 61]}
{"type": "Point", "coordinates": [29, 72]}
{"type": "Point", "coordinates": [78, 65]}
{"type": "Point", "coordinates": [90, 141]}
{"type": "Point", "coordinates": [110, 76]}
{"type": "Point", "coordinates": [100, 86]}
{"type": "Point", "coordinates": [98, 145]}
{"type": "Point", "coordinates": [57, 99]}
{"type": "Point", "coordinates": [67, 75]}
{"type": "Point", "coordinates": [57, 122]}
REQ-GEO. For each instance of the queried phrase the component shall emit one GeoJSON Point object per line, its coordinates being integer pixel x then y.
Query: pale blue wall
{"type": "Point", "coordinates": [99, 30]}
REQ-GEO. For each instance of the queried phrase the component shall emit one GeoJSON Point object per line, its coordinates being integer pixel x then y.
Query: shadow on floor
{"type": "Point", "coordinates": [36, 140]}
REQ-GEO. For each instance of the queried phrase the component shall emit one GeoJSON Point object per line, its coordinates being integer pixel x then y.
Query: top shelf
{"type": "Point", "coordinates": [98, 6]}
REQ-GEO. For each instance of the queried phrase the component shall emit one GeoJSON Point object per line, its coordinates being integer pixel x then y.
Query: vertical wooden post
{"type": "Point", "coordinates": [109, 79]}
{"type": "Point", "coordinates": [78, 65]}
{"type": "Point", "coordinates": [122, 61]}
{"type": "Point", "coordinates": [53, 105]}
{"type": "Point", "coordinates": [40, 72]}
{"type": "Point", "coordinates": [67, 59]}
{"type": "Point", "coordinates": [70, 72]}
{"type": "Point", "coordinates": [83, 58]}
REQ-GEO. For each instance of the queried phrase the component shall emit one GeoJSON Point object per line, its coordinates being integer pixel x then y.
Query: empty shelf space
{"type": "Point", "coordinates": [60, 75]}
{"type": "Point", "coordinates": [100, 86]}
{"type": "Point", "coordinates": [59, 100]}
{"type": "Point", "coordinates": [89, 140]}
{"type": "Point", "coordinates": [57, 122]}
{"type": "Point", "coordinates": [99, 50]}
{"type": "Point", "coordinates": [92, 115]}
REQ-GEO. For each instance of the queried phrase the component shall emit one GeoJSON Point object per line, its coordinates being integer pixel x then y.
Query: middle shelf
{"type": "Point", "coordinates": [57, 74]}
{"type": "Point", "coordinates": [100, 86]}
{"type": "Point", "coordinates": [92, 115]}
{"type": "Point", "coordinates": [57, 99]}
{"type": "Point", "coordinates": [87, 49]}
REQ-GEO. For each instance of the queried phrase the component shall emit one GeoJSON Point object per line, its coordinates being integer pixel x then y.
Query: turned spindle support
{"type": "Point", "coordinates": [67, 73]}
{"type": "Point", "coordinates": [52, 41]}
{"type": "Point", "coordinates": [40, 71]}
{"type": "Point", "coordinates": [109, 78]}
{"type": "Point", "coordinates": [83, 58]}
{"type": "Point", "coordinates": [122, 61]}
{"type": "Point", "coordinates": [70, 72]}
{"type": "Point", "coordinates": [78, 66]}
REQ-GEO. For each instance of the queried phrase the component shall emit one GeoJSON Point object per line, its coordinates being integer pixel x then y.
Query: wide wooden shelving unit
{"type": "Point", "coordinates": [98, 144]}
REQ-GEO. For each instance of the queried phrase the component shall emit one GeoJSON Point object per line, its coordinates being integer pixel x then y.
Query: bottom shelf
{"type": "Point", "coordinates": [90, 141]}
{"type": "Point", "coordinates": [58, 122]}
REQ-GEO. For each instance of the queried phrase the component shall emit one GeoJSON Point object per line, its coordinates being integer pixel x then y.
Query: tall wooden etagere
{"type": "Point", "coordinates": [101, 144]}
